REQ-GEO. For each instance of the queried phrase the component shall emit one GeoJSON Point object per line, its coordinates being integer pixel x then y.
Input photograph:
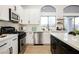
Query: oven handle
{"type": "Point", "coordinates": [3, 45]}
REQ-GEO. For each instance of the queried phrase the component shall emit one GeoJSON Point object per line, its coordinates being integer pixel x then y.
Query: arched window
{"type": "Point", "coordinates": [71, 22]}
{"type": "Point", "coordinates": [48, 21]}
{"type": "Point", "coordinates": [71, 9]}
{"type": "Point", "coordinates": [48, 8]}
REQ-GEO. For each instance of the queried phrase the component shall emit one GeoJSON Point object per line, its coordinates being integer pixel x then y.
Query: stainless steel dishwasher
{"type": "Point", "coordinates": [37, 36]}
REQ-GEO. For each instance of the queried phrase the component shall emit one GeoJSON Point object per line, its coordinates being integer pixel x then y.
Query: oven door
{"type": "Point", "coordinates": [22, 44]}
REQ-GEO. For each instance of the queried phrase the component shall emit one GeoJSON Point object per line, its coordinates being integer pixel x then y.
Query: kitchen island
{"type": "Point", "coordinates": [64, 43]}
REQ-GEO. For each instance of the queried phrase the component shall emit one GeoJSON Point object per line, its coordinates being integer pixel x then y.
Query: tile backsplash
{"type": "Point", "coordinates": [3, 23]}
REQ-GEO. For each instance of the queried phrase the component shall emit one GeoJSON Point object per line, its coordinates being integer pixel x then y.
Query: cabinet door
{"type": "Point", "coordinates": [57, 47]}
{"type": "Point", "coordinates": [5, 51]}
{"type": "Point", "coordinates": [45, 38]}
{"type": "Point", "coordinates": [29, 38]}
{"type": "Point", "coordinates": [21, 13]}
{"type": "Point", "coordinates": [4, 13]}
{"type": "Point", "coordinates": [53, 44]}
{"type": "Point", "coordinates": [15, 45]}
{"type": "Point", "coordinates": [51, 48]}
{"type": "Point", "coordinates": [34, 16]}
{"type": "Point", "coordinates": [60, 49]}
{"type": "Point", "coordinates": [68, 49]}
{"type": "Point", "coordinates": [4, 47]}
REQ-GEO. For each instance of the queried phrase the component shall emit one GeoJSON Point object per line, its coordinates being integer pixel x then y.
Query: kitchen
{"type": "Point", "coordinates": [34, 27]}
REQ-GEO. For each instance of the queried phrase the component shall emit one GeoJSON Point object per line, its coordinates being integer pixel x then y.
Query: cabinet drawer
{"type": "Point", "coordinates": [4, 44]}
{"type": "Point", "coordinates": [5, 51]}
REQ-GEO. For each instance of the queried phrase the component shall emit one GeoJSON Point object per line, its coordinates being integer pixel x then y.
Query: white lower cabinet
{"type": "Point", "coordinates": [5, 51]}
{"type": "Point", "coordinates": [46, 38]}
{"type": "Point", "coordinates": [9, 45]}
{"type": "Point", "coordinates": [4, 47]}
{"type": "Point", "coordinates": [4, 12]}
{"type": "Point", "coordinates": [14, 44]}
{"type": "Point", "coordinates": [29, 38]}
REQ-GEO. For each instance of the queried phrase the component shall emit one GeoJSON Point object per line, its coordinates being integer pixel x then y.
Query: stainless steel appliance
{"type": "Point", "coordinates": [37, 36]}
{"type": "Point", "coordinates": [21, 36]}
{"type": "Point", "coordinates": [13, 16]}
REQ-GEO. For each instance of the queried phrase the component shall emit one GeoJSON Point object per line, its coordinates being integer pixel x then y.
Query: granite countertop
{"type": "Point", "coordinates": [71, 40]}
{"type": "Point", "coordinates": [7, 36]}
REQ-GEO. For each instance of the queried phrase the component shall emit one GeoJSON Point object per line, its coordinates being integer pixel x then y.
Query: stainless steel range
{"type": "Point", "coordinates": [21, 36]}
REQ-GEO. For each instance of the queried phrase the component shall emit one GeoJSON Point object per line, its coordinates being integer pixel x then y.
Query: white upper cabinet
{"type": "Point", "coordinates": [4, 12]}
{"type": "Point", "coordinates": [19, 10]}
{"type": "Point", "coordinates": [32, 16]}
{"type": "Point", "coordinates": [21, 13]}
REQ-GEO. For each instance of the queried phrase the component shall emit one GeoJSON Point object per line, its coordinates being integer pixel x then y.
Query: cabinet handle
{"type": "Point", "coordinates": [10, 50]}
{"type": "Point", "coordinates": [14, 39]}
{"type": "Point", "coordinates": [3, 45]}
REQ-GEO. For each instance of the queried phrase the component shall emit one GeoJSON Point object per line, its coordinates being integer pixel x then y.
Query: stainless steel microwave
{"type": "Point", "coordinates": [13, 16]}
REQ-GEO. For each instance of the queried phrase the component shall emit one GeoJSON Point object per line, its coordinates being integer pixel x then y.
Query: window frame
{"type": "Point", "coordinates": [74, 19]}
{"type": "Point", "coordinates": [48, 20]}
